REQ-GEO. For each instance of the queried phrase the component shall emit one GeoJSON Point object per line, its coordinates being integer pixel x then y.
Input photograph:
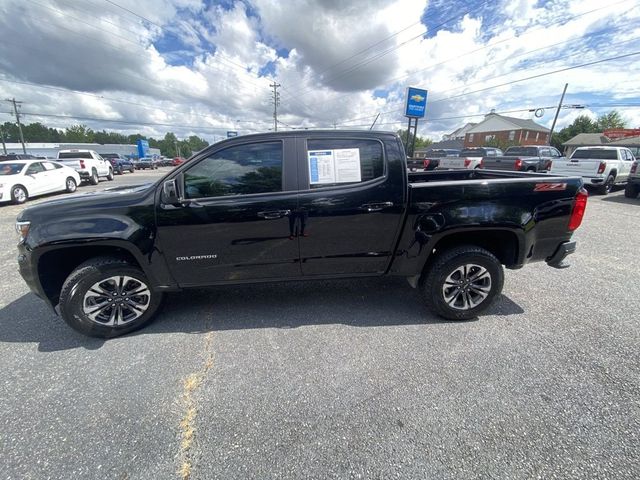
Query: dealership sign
{"type": "Point", "coordinates": [416, 103]}
{"type": "Point", "coordinates": [231, 134]}
{"type": "Point", "coordinates": [143, 148]}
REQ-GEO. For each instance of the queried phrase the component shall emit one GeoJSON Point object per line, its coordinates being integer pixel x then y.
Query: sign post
{"type": "Point", "coordinates": [415, 108]}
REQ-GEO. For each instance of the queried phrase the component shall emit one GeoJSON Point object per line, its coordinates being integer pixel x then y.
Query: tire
{"type": "Point", "coordinates": [631, 190]}
{"type": "Point", "coordinates": [531, 169]}
{"type": "Point", "coordinates": [110, 174]}
{"type": "Point", "coordinates": [93, 179]}
{"type": "Point", "coordinates": [70, 185]}
{"type": "Point", "coordinates": [120, 170]}
{"type": "Point", "coordinates": [605, 189]}
{"type": "Point", "coordinates": [132, 169]}
{"type": "Point", "coordinates": [91, 290]}
{"type": "Point", "coordinates": [441, 289]}
{"type": "Point", "coordinates": [19, 194]}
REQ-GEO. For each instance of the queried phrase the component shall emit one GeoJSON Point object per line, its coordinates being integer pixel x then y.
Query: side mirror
{"type": "Point", "coordinates": [170, 192]}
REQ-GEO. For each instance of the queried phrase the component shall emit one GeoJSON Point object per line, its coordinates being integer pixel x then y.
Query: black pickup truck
{"type": "Point", "coordinates": [293, 206]}
{"type": "Point", "coordinates": [528, 158]}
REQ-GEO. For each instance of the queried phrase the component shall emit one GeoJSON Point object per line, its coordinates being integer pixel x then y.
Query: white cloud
{"type": "Point", "coordinates": [202, 65]}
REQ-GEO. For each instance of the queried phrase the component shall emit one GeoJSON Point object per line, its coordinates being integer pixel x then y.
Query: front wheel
{"type": "Point", "coordinates": [120, 170]}
{"type": "Point", "coordinates": [71, 185]}
{"type": "Point", "coordinates": [132, 169]}
{"type": "Point", "coordinates": [631, 190]}
{"type": "Point", "coordinates": [106, 297]}
{"type": "Point", "coordinates": [110, 174]}
{"type": "Point", "coordinates": [463, 282]}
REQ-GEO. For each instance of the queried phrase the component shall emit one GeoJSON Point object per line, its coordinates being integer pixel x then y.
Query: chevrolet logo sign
{"type": "Point", "coordinates": [417, 98]}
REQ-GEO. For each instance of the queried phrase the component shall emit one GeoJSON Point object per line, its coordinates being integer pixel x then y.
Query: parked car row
{"type": "Point", "coordinates": [601, 167]}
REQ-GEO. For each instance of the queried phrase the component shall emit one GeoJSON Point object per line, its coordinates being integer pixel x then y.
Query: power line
{"type": "Point", "coordinates": [15, 112]}
{"type": "Point", "coordinates": [456, 58]}
{"type": "Point", "coordinates": [386, 52]}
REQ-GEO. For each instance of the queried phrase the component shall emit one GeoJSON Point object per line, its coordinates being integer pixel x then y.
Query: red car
{"type": "Point", "coordinates": [178, 161]}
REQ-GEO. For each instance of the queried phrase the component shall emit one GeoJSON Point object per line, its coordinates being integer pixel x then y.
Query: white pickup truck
{"type": "Point", "coordinates": [89, 165]}
{"type": "Point", "coordinates": [469, 158]}
{"type": "Point", "coordinates": [600, 167]}
{"type": "Point", "coordinates": [633, 184]}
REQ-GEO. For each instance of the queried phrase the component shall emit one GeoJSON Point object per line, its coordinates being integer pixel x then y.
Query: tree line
{"type": "Point", "coordinates": [37, 132]}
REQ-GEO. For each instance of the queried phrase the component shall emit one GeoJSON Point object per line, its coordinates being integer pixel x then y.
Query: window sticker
{"type": "Point", "coordinates": [334, 166]}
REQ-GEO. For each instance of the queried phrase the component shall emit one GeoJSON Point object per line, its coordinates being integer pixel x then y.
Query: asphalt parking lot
{"type": "Point", "coordinates": [337, 379]}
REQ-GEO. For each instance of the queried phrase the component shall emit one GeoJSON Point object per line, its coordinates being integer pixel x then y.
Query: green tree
{"type": "Point", "coordinates": [613, 119]}
{"type": "Point", "coordinates": [421, 142]}
{"type": "Point", "coordinates": [582, 124]}
{"type": "Point", "coordinates": [78, 134]}
{"type": "Point", "coordinates": [36, 132]}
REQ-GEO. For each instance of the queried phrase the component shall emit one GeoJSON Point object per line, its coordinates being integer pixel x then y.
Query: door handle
{"type": "Point", "coordinates": [376, 207]}
{"type": "Point", "coordinates": [274, 214]}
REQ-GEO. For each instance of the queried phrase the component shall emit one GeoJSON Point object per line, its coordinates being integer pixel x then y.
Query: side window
{"type": "Point", "coordinates": [545, 152]}
{"type": "Point", "coordinates": [238, 170]}
{"type": "Point", "coordinates": [48, 166]}
{"type": "Point", "coordinates": [554, 153]}
{"type": "Point", "coordinates": [333, 162]}
{"type": "Point", "coordinates": [35, 168]}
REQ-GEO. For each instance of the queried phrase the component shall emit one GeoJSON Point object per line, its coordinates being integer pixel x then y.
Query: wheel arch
{"type": "Point", "coordinates": [55, 265]}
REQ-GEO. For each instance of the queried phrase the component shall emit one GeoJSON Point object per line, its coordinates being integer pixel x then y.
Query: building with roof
{"type": "Point", "coordinates": [632, 143]}
{"type": "Point", "coordinates": [459, 133]}
{"type": "Point", "coordinates": [517, 131]}
{"type": "Point", "coordinates": [584, 140]}
{"type": "Point", "coordinates": [51, 149]}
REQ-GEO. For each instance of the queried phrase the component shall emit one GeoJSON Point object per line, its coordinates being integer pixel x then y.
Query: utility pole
{"type": "Point", "coordinates": [276, 102]}
{"type": "Point", "coordinates": [15, 111]}
{"type": "Point", "coordinates": [4, 146]}
{"type": "Point", "coordinates": [553, 125]}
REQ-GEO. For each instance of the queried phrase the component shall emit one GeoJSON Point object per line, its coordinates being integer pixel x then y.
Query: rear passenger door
{"type": "Point", "coordinates": [350, 206]}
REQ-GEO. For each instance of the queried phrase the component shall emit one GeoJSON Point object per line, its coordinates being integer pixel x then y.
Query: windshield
{"type": "Point", "coordinates": [11, 168]}
{"type": "Point", "coordinates": [596, 153]}
{"type": "Point", "coordinates": [472, 152]}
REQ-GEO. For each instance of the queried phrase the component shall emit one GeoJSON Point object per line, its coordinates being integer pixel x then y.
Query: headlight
{"type": "Point", "coordinates": [23, 230]}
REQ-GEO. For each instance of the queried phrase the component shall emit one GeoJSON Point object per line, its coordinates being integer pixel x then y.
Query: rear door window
{"type": "Point", "coordinates": [336, 162]}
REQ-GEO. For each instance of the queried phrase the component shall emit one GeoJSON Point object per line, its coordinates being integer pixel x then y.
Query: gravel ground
{"type": "Point", "coordinates": [337, 379]}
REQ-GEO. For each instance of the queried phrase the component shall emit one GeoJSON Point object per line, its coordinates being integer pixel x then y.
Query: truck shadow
{"type": "Point", "coordinates": [360, 303]}
{"type": "Point", "coordinates": [621, 199]}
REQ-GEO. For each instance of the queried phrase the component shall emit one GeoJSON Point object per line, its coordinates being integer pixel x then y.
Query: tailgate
{"type": "Point", "coordinates": [70, 162]}
{"type": "Point", "coordinates": [581, 167]}
{"type": "Point", "coordinates": [499, 163]}
{"type": "Point", "coordinates": [451, 162]}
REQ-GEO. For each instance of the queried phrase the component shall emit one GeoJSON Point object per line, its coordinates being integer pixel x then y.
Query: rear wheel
{"type": "Point", "coordinates": [631, 190]}
{"type": "Point", "coordinates": [106, 297]}
{"type": "Point", "coordinates": [70, 185]}
{"type": "Point", "coordinates": [19, 194]}
{"type": "Point", "coordinates": [463, 282]}
{"type": "Point", "coordinates": [110, 174]}
{"type": "Point", "coordinates": [93, 179]}
{"type": "Point", "coordinates": [605, 189]}
{"type": "Point", "coordinates": [132, 169]}
{"type": "Point", "coordinates": [120, 170]}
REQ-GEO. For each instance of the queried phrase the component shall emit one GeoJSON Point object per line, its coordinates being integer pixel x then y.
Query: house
{"type": "Point", "coordinates": [632, 143]}
{"type": "Point", "coordinates": [516, 131]}
{"type": "Point", "coordinates": [459, 133]}
{"type": "Point", "coordinates": [584, 140]}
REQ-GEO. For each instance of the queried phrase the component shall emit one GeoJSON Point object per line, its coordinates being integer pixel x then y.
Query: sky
{"type": "Point", "coordinates": [206, 67]}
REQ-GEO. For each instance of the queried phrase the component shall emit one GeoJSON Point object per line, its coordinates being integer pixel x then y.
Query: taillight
{"type": "Point", "coordinates": [579, 207]}
{"type": "Point", "coordinates": [81, 163]}
{"type": "Point", "coordinates": [602, 166]}
{"type": "Point", "coordinates": [426, 163]}
{"type": "Point", "coordinates": [467, 162]}
{"type": "Point", "coordinates": [518, 164]}
{"type": "Point", "coordinates": [634, 167]}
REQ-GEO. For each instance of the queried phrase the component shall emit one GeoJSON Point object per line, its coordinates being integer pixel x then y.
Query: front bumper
{"type": "Point", "coordinates": [557, 259]}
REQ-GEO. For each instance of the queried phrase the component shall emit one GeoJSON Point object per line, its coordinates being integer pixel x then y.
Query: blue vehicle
{"type": "Point", "coordinates": [120, 164]}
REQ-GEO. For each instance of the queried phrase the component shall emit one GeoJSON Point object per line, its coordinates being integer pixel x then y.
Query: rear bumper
{"type": "Point", "coordinates": [557, 259]}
